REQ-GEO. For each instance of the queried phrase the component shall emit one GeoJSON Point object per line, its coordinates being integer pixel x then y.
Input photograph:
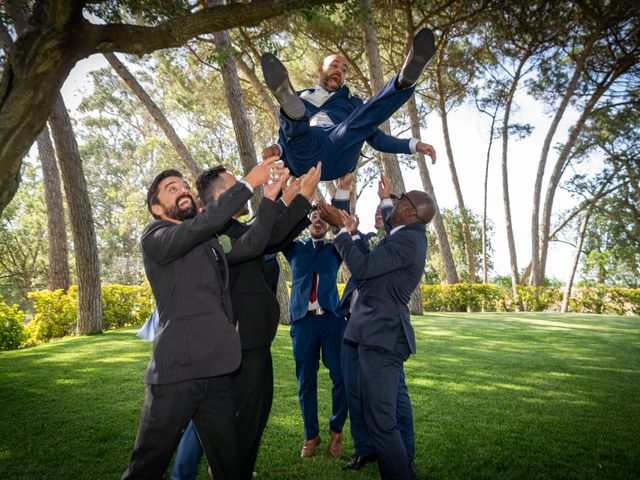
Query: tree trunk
{"type": "Point", "coordinates": [84, 236]}
{"type": "Point", "coordinates": [515, 280]}
{"type": "Point", "coordinates": [271, 107]}
{"type": "Point", "coordinates": [576, 260]}
{"type": "Point", "coordinates": [466, 233]}
{"type": "Point", "coordinates": [155, 113]}
{"type": "Point", "coordinates": [444, 248]}
{"type": "Point", "coordinates": [57, 233]}
{"type": "Point", "coordinates": [235, 103]}
{"type": "Point", "coordinates": [537, 275]}
{"type": "Point", "coordinates": [282, 294]}
{"type": "Point", "coordinates": [485, 268]}
{"type": "Point", "coordinates": [389, 162]}
{"type": "Point", "coordinates": [559, 167]}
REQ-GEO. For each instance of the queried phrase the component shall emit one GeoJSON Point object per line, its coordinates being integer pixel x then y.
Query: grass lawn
{"type": "Point", "coordinates": [495, 396]}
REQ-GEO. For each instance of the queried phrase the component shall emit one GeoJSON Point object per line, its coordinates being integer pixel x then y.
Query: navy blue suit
{"type": "Point", "coordinates": [312, 333]}
{"type": "Point", "coordinates": [380, 326]}
{"type": "Point", "coordinates": [338, 146]}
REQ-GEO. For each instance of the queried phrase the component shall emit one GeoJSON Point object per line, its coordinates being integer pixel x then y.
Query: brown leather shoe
{"type": "Point", "coordinates": [335, 444]}
{"type": "Point", "coordinates": [309, 447]}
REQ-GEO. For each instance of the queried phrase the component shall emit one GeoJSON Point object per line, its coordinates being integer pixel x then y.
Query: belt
{"type": "Point", "coordinates": [316, 311]}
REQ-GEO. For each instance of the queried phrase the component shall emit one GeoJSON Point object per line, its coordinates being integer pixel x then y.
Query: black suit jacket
{"type": "Point", "coordinates": [254, 303]}
{"type": "Point", "coordinates": [189, 278]}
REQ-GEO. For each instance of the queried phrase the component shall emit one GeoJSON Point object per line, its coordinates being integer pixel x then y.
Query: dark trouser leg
{"type": "Point", "coordinates": [405, 418]}
{"type": "Point", "coordinates": [366, 118]}
{"type": "Point", "coordinates": [306, 353]}
{"type": "Point", "coordinates": [333, 331]}
{"type": "Point", "coordinates": [253, 384]}
{"type": "Point", "coordinates": [217, 426]}
{"type": "Point", "coordinates": [166, 412]}
{"type": "Point", "coordinates": [380, 372]}
{"type": "Point", "coordinates": [349, 360]}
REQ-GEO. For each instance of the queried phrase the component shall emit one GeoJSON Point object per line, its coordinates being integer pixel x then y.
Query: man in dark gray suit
{"type": "Point", "coordinates": [197, 346]}
{"type": "Point", "coordinates": [379, 322]}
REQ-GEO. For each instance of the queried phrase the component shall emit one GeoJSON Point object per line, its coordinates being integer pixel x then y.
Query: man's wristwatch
{"type": "Point", "coordinates": [335, 229]}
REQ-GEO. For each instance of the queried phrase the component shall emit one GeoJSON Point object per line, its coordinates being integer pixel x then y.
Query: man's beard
{"type": "Point", "coordinates": [180, 214]}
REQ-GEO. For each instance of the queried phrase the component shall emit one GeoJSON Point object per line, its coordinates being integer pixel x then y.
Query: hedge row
{"type": "Point", "coordinates": [463, 297]}
{"type": "Point", "coordinates": [55, 313]}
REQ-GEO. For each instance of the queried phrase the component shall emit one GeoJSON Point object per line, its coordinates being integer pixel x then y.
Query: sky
{"type": "Point", "coordinates": [469, 134]}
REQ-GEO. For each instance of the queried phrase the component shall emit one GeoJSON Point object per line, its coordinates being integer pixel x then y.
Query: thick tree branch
{"type": "Point", "coordinates": [139, 40]}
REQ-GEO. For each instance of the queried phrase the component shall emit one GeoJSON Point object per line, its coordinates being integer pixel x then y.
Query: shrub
{"type": "Point", "coordinates": [55, 314]}
{"type": "Point", "coordinates": [125, 305]}
{"type": "Point", "coordinates": [460, 297]}
{"type": "Point", "coordinates": [539, 299]}
{"type": "Point", "coordinates": [12, 331]}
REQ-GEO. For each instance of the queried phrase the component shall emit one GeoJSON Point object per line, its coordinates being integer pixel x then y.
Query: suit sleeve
{"type": "Point", "coordinates": [397, 252]}
{"type": "Point", "coordinates": [251, 244]}
{"type": "Point", "coordinates": [386, 143]}
{"type": "Point", "coordinates": [165, 242]}
{"type": "Point", "coordinates": [341, 204]}
{"type": "Point", "coordinates": [291, 221]}
{"type": "Point", "coordinates": [385, 214]}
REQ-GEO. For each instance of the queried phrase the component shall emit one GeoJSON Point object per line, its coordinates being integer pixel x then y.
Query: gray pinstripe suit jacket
{"type": "Point", "coordinates": [188, 273]}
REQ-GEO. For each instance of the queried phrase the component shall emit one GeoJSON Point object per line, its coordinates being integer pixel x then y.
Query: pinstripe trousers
{"type": "Point", "coordinates": [166, 412]}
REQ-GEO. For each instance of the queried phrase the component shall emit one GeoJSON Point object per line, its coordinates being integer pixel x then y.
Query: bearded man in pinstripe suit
{"type": "Point", "coordinates": [197, 346]}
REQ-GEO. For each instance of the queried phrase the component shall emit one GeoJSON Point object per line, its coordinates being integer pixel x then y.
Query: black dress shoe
{"type": "Point", "coordinates": [277, 78]}
{"type": "Point", "coordinates": [422, 49]}
{"type": "Point", "coordinates": [357, 462]}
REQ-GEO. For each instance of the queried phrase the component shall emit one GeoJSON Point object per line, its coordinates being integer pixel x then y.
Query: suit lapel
{"type": "Point", "coordinates": [216, 254]}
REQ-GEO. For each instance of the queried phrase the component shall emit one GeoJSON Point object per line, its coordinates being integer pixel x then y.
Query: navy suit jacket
{"type": "Point", "coordinates": [304, 260]}
{"type": "Point", "coordinates": [386, 278]}
{"type": "Point", "coordinates": [364, 244]}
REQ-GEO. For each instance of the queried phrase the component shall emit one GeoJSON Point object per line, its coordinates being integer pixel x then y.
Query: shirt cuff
{"type": "Point", "coordinates": [413, 144]}
{"type": "Point", "coordinates": [342, 230]}
{"type": "Point", "coordinates": [342, 194]}
{"type": "Point", "coordinates": [386, 202]}
{"type": "Point", "coordinates": [283, 202]}
{"type": "Point", "coordinates": [247, 184]}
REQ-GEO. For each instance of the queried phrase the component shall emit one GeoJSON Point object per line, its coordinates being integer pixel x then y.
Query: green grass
{"type": "Point", "coordinates": [495, 396]}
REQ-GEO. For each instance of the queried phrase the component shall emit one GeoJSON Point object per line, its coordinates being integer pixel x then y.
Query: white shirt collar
{"type": "Point", "coordinates": [395, 229]}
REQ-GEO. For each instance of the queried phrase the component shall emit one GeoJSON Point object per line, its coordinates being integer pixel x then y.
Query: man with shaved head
{"type": "Point", "coordinates": [328, 123]}
{"type": "Point", "coordinates": [380, 322]}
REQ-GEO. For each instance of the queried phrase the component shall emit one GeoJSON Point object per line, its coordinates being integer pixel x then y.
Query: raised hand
{"type": "Point", "coordinates": [344, 183]}
{"type": "Point", "coordinates": [271, 151]}
{"type": "Point", "coordinates": [349, 222]}
{"type": "Point", "coordinates": [290, 189]}
{"type": "Point", "coordinates": [427, 149]}
{"type": "Point", "coordinates": [272, 189]}
{"type": "Point", "coordinates": [330, 214]}
{"type": "Point", "coordinates": [309, 181]}
{"type": "Point", "coordinates": [262, 172]}
{"type": "Point", "coordinates": [384, 187]}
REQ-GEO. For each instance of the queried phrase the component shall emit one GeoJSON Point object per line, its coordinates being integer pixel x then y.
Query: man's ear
{"type": "Point", "coordinates": [157, 209]}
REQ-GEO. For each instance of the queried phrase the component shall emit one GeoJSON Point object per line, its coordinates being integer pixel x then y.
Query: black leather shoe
{"type": "Point", "coordinates": [357, 462]}
{"type": "Point", "coordinates": [422, 49]}
{"type": "Point", "coordinates": [277, 78]}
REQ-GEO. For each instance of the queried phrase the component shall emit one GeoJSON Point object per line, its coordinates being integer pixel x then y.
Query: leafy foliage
{"type": "Point", "coordinates": [12, 331]}
{"type": "Point", "coordinates": [463, 297]}
{"type": "Point", "coordinates": [56, 312]}
{"type": "Point", "coordinates": [454, 223]}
